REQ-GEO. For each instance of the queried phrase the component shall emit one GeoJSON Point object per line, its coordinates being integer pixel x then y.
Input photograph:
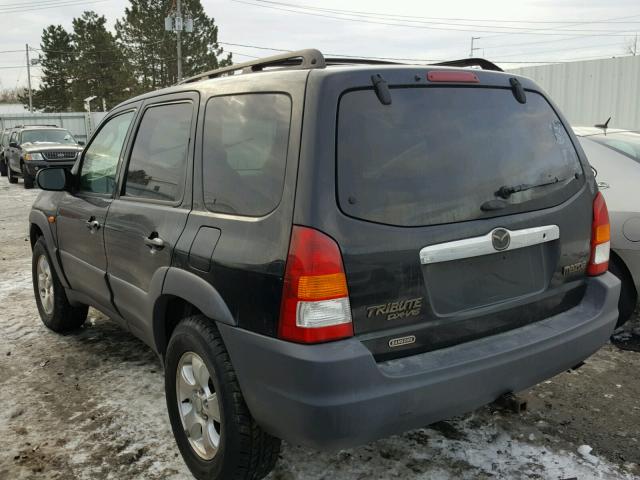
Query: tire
{"type": "Point", "coordinates": [55, 310]}
{"type": "Point", "coordinates": [3, 167]}
{"type": "Point", "coordinates": [27, 179]}
{"type": "Point", "coordinates": [12, 176]}
{"type": "Point", "coordinates": [628, 294]}
{"type": "Point", "coordinates": [244, 451]}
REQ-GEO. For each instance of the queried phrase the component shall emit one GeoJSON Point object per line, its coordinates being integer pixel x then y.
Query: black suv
{"type": "Point", "coordinates": [33, 147]}
{"type": "Point", "coordinates": [329, 251]}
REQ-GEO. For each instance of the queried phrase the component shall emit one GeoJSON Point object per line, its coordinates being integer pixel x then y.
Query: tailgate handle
{"type": "Point", "coordinates": [497, 240]}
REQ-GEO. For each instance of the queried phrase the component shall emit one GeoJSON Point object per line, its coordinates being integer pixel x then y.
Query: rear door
{"type": "Point", "coordinates": [146, 219]}
{"type": "Point", "coordinates": [444, 234]}
{"type": "Point", "coordinates": [82, 212]}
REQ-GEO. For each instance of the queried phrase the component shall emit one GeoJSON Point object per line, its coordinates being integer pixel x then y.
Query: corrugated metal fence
{"type": "Point", "coordinates": [589, 92]}
{"type": "Point", "coordinates": [80, 124]}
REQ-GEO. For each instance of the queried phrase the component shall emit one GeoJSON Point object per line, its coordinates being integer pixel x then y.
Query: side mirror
{"type": "Point", "coordinates": [53, 179]}
{"type": "Point", "coordinates": [13, 144]}
{"type": "Point", "coordinates": [81, 143]}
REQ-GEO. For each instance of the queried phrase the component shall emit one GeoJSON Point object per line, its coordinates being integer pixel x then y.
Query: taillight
{"type": "Point", "coordinates": [315, 300]}
{"type": "Point", "coordinates": [600, 237]}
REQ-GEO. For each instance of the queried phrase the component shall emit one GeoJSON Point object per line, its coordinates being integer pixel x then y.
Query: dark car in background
{"type": "Point", "coordinates": [31, 148]}
{"type": "Point", "coordinates": [329, 251]}
{"type": "Point", "coordinates": [4, 144]}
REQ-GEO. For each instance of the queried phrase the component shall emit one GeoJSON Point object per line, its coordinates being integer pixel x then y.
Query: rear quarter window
{"type": "Point", "coordinates": [437, 154]}
{"type": "Point", "coordinates": [245, 152]}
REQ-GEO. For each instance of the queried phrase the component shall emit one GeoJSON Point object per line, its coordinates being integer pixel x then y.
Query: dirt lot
{"type": "Point", "coordinates": [90, 405]}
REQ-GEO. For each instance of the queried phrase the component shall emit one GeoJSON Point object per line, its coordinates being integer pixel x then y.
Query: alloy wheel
{"type": "Point", "coordinates": [198, 405]}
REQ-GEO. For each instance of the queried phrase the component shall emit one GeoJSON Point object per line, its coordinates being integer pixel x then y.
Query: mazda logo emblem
{"type": "Point", "coordinates": [500, 239]}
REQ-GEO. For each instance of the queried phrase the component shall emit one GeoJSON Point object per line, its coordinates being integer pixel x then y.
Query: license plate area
{"type": "Point", "coordinates": [458, 285]}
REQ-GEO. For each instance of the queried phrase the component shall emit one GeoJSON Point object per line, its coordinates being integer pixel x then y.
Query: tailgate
{"type": "Point", "coordinates": [464, 213]}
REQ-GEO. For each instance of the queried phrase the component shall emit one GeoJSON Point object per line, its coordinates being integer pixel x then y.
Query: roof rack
{"type": "Point", "coordinates": [312, 58]}
{"type": "Point", "coordinates": [34, 125]}
{"type": "Point", "coordinates": [357, 61]}
{"type": "Point", "coordinates": [300, 59]}
{"type": "Point", "coordinates": [471, 62]}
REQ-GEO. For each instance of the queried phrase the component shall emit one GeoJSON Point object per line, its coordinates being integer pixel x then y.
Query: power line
{"type": "Point", "coordinates": [449, 18]}
{"type": "Point", "coordinates": [301, 11]}
{"type": "Point", "coordinates": [617, 44]}
{"type": "Point", "coordinates": [425, 60]}
{"type": "Point", "coordinates": [68, 3]}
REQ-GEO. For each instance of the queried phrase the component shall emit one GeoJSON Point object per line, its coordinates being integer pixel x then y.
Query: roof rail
{"type": "Point", "coordinates": [357, 61]}
{"type": "Point", "coordinates": [471, 62]}
{"type": "Point", "coordinates": [300, 59]}
{"type": "Point", "coordinates": [34, 125]}
{"type": "Point", "coordinates": [312, 58]}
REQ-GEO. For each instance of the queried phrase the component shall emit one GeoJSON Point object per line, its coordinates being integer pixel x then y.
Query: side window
{"type": "Point", "coordinates": [245, 152]}
{"type": "Point", "coordinates": [14, 135]}
{"type": "Point", "coordinates": [98, 171]}
{"type": "Point", "coordinates": [159, 155]}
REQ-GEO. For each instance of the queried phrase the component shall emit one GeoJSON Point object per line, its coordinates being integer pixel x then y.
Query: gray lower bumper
{"type": "Point", "coordinates": [335, 395]}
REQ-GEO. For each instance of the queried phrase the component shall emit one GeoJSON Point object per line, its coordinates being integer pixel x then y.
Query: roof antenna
{"type": "Point", "coordinates": [604, 125]}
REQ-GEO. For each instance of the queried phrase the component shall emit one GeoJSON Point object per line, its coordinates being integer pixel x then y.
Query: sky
{"type": "Point", "coordinates": [509, 32]}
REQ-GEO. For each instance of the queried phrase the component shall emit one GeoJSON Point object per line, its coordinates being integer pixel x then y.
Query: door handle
{"type": "Point", "coordinates": [155, 243]}
{"type": "Point", "coordinates": [92, 224]}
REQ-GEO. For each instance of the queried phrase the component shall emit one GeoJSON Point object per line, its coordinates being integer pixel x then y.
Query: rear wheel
{"type": "Point", "coordinates": [12, 176]}
{"type": "Point", "coordinates": [27, 178]}
{"type": "Point", "coordinates": [3, 167]}
{"type": "Point", "coordinates": [216, 434]}
{"type": "Point", "coordinates": [55, 310]}
{"type": "Point", "coordinates": [628, 294]}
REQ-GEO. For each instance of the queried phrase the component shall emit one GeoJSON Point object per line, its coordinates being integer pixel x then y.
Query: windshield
{"type": "Point", "coordinates": [627, 143]}
{"type": "Point", "coordinates": [437, 154]}
{"type": "Point", "coordinates": [48, 136]}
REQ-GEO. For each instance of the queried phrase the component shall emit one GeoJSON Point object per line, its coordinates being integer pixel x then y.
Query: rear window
{"type": "Point", "coordinates": [436, 155]}
{"type": "Point", "coordinates": [627, 143]}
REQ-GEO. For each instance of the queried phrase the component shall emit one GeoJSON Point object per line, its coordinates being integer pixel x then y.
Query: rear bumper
{"type": "Point", "coordinates": [335, 395]}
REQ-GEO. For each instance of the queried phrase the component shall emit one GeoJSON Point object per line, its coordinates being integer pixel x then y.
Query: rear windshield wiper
{"type": "Point", "coordinates": [506, 191]}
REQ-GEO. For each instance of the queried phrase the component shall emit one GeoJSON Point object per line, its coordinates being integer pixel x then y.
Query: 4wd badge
{"type": "Point", "coordinates": [396, 310]}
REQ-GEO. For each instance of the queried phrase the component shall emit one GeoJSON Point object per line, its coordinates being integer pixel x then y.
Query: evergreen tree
{"type": "Point", "coordinates": [54, 94]}
{"type": "Point", "coordinates": [100, 66]}
{"type": "Point", "coordinates": [152, 50]}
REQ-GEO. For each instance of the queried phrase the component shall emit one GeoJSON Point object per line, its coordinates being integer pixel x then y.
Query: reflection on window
{"type": "Point", "coordinates": [245, 152]}
{"type": "Point", "coordinates": [100, 161]}
{"type": "Point", "coordinates": [159, 156]}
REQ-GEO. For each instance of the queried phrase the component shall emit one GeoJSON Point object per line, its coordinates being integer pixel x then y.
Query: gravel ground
{"type": "Point", "coordinates": [90, 405]}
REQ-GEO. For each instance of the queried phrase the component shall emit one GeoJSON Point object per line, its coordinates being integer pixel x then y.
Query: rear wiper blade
{"type": "Point", "coordinates": [506, 191]}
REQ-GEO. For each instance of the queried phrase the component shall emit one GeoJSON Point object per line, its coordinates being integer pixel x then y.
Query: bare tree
{"type": "Point", "coordinates": [10, 95]}
{"type": "Point", "coordinates": [632, 46]}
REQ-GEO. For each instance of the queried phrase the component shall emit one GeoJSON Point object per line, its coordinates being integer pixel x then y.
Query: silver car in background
{"type": "Point", "coordinates": [615, 155]}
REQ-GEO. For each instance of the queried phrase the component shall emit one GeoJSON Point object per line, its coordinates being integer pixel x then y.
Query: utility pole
{"type": "Point", "coordinates": [473, 49]}
{"type": "Point", "coordinates": [175, 22]}
{"type": "Point", "coordinates": [178, 35]}
{"type": "Point", "coordinates": [29, 80]}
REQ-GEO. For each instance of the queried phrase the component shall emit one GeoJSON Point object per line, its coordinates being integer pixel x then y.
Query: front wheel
{"type": "Point", "coordinates": [55, 310]}
{"type": "Point", "coordinates": [27, 178]}
{"type": "Point", "coordinates": [3, 167]}
{"type": "Point", "coordinates": [11, 176]}
{"type": "Point", "coordinates": [215, 432]}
